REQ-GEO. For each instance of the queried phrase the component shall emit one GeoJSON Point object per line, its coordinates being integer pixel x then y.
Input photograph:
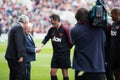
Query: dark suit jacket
{"type": "Point", "coordinates": [30, 49]}
{"type": "Point", "coordinates": [16, 43]}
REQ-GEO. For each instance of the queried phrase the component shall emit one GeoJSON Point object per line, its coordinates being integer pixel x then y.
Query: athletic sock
{"type": "Point", "coordinates": [54, 78]}
{"type": "Point", "coordinates": [66, 78]}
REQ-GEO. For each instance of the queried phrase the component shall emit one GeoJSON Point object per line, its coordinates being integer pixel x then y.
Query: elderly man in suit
{"type": "Point", "coordinates": [16, 51]}
{"type": "Point", "coordinates": [30, 50]}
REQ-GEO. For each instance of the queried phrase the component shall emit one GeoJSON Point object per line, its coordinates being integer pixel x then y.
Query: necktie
{"type": "Point", "coordinates": [29, 38]}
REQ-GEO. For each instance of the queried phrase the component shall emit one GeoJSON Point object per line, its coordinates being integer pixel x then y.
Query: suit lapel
{"type": "Point", "coordinates": [30, 38]}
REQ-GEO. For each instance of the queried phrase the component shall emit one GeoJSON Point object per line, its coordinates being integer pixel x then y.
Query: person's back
{"type": "Point", "coordinates": [16, 52]}
{"type": "Point", "coordinates": [12, 44]}
{"type": "Point", "coordinates": [89, 48]}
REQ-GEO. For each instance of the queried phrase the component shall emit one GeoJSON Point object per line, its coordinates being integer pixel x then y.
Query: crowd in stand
{"type": "Point", "coordinates": [40, 11]}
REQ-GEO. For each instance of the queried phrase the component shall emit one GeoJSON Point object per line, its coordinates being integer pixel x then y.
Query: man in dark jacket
{"type": "Point", "coordinates": [115, 42]}
{"type": "Point", "coordinates": [30, 50]}
{"type": "Point", "coordinates": [88, 60]}
{"type": "Point", "coordinates": [59, 36]}
{"type": "Point", "coordinates": [16, 52]}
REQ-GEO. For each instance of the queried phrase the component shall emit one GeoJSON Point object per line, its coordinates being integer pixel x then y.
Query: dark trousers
{"type": "Point", "coordinates": [109, 73]}
{"type": "Point", "coordinates": [89, 76]}
{"type": "Point", "coordinates": [28, 70]}
{"type": "Point", "coordinates": [17, 70]}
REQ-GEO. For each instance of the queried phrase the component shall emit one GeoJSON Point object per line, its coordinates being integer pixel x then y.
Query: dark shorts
{"type": "Point", "coordinates": [89, 76]}
{"type": "Point", "coordinates": [61, 60]}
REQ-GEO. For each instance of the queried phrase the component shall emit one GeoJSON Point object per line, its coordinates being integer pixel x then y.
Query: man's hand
{"type": "Point", "coordinates": [20, 59]}
{"type": "Point", "coordinates": [37, 49]}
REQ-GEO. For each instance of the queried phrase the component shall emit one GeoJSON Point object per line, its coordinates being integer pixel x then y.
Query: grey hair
{"type": "Point", "coordinates": [23, 19]}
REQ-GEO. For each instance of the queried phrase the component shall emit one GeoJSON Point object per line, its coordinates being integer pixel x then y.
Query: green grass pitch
{"type": "Point", "coordinates": [40, 68]}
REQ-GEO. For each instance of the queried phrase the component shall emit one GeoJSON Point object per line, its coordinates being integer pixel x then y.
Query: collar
{"type": "Point", "coordinates": [21, 24]}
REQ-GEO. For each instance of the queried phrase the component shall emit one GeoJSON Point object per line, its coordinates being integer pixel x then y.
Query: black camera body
{"type": "Point", "coordinates": [99, 18]}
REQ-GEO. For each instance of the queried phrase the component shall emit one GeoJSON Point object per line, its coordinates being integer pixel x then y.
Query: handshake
{"type": "Point", "coordinates": [38, 49]}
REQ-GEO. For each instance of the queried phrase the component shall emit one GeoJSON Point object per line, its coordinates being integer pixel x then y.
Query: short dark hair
{"type": "Point", "coordinates": [82, 15]}
{"type": "Point", "coordinates": [116, 10]}
{"type": "Point", "coordinates": [55, 17]}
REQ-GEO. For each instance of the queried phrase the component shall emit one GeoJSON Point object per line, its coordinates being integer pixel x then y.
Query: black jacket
{"type": "Point", "coordinates": [16, 43]}
{"type": "Point", "coordinates": [59, 39]}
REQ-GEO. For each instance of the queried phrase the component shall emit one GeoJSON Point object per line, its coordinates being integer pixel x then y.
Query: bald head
{"type": "Point", "coordinates": [29, 28]}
